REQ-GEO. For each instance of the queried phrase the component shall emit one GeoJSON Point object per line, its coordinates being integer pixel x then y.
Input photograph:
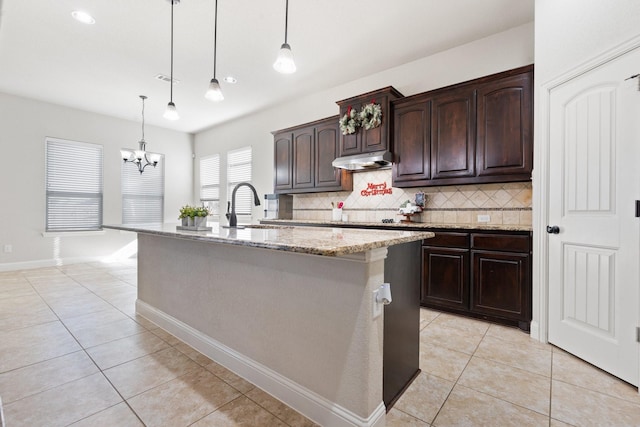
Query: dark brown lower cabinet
{"type": "Point", "coordinates": [446, 276]}
{"type": "Point", "coordinates": [485, 275]}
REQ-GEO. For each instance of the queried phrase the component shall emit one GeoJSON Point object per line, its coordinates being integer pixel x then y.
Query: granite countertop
{"type": "Point", "coordinates": [402, 225]}
{"type": "Point", "coordinates": [309, 240]}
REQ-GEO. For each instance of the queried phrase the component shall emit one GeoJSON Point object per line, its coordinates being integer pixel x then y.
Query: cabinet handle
{"type": "Point", "coordinates": [553, 229]}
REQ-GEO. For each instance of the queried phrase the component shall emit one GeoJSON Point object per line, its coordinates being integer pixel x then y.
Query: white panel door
{"type": "Point", "coordinates": [594, 180]}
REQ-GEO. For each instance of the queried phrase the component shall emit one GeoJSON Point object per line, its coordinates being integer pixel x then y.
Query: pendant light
{"type": "Point", "coordinates": [171, 113]}
{"type": "Point", "coordinates": [284, 63]}
{"type": "Point", "coordinates": [214, 93]}
{"type": "Point", "coordinates": [140, 157]}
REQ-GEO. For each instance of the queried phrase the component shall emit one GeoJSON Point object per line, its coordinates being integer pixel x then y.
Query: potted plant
{"type": "Point", "coordinates": [200, 215]}
{"type": "Point", "coordinates": [186, 215]}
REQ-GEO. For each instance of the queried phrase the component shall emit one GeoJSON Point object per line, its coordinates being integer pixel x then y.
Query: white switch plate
{"type": "Point", "coordinates": [8, 249]}
{"type": "Point", "coordinates": [484, 218]}
{"type": "Point", "coordinates": [377, 306]}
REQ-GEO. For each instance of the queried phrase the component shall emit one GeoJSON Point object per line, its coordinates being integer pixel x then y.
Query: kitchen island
{"type": "Point", "coordinates": [291, 309]}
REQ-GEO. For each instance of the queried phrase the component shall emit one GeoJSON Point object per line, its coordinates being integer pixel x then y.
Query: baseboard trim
{"type": "Point", "coordinates": [41, 263]}
{"type": "Point", "coordinates": [303, 400]}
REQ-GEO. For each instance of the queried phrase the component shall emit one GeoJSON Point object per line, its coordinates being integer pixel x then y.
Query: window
{"type": "Point", "coordinates": [239, 170]}
{"type": "Point", "coordinates": [142, 194]}
{"type": "Point", "coordinates": [210, 183]}
{"type": "Point", "coordinates": [73, 185]}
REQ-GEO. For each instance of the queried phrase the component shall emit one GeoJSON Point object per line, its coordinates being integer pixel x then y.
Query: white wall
{"type": "Point", "coordinates": [567, 34]}
{"type": "Point", "coordinates": [570, 32]}
{"type": "Point", "coordinates": [503, 51]}
{"type": "Point", "coordinates": [24, 124]}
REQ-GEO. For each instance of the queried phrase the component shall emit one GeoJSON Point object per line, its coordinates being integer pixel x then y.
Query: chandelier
{"type": "Point", "coordinates": [140, 157]}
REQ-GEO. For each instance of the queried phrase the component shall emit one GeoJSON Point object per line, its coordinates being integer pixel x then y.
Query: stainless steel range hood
{"type": "Point", "coordinates": [365, 161]}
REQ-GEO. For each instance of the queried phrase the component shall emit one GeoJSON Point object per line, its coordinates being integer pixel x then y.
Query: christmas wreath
{"type": "Point", "coordinates": [349, 122]}
{"type": "Point", "coordinates": [371, 115]}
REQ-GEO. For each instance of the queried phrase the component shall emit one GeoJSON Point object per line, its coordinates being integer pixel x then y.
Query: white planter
{"type": "Point", "coordinates": [200, 221]}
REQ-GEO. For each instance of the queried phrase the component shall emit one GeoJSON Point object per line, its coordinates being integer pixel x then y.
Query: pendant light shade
{"type": "Point", "coordinates": [284, 63]}
{"type": "Point", "coordinates": [171, 113]}
{"type": "Point", "coordinates": [214, 93]}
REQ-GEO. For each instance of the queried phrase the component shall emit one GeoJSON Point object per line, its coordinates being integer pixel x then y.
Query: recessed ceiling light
{"type": "Point", "coordinates": [230, 79]}
{"type": "Point", "coordinates": [83, 17]}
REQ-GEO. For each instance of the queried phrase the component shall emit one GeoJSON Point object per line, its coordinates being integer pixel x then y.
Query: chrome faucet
{"type": "Point", "coordinates": [231, 216]}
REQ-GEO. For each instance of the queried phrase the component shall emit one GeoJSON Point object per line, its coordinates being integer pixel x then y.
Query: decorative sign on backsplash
{"type": "Point", "coordinates": [376, 189]}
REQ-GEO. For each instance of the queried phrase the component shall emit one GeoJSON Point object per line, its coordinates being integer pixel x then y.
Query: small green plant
{"type": "Point", "coordinates": [187, 212]}
{"type": "Point", "coordinates": [201, 211]}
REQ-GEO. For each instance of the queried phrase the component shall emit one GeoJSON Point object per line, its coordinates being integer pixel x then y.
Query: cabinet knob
{"type": "Point", "coordinates": [553, 229]}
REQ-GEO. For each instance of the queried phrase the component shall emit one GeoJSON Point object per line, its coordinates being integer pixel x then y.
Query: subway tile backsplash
{"type": "Point", "coordinates": [507, 203]}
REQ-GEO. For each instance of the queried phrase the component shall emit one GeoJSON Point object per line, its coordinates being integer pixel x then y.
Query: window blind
{"type": "Point", "coordinates": [210, 182]}
{"type": "Point", "coordinates": [239, 170]}
{"type": "Point", "coordinates": [142, 193]}
{"type": "Point", "coordinates": [73, 175]}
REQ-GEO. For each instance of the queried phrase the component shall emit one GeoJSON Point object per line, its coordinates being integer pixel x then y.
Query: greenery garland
{"type": "Point", "coordinates": [371, 115]}
{"type": "Point", "coordinates": [349, 122]}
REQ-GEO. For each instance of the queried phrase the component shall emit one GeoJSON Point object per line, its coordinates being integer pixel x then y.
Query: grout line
{"type": "Point", "coordinates": [88, 355]}
{"type": "Point", "coordinates": [455, 383]}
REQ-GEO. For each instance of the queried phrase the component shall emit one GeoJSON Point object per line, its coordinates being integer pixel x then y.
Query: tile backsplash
{"type": "Point", "coordinates": [373, 199]}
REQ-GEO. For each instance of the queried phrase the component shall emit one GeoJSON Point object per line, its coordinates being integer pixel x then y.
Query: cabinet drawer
{"type": "Point", "coordinates": [501, 242]}
{"type": "Point", "coordinates": [451, 240]}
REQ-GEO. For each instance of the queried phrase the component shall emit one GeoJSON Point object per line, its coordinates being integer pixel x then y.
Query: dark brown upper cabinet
{"type": "Point", "coordinates": [504, 137]}
{"type": "Point", "coordinates": [283, 159]}
{"type": "Point", "coordinates": [453, 120]}
{"type": "Point", "coordinates": [412, 125]}
{"type": "Point", "coordinates": [376, 139]}
{"type": "Point", "coordinates": [303, 156]}
{"type": "Point", "coordinates": [474, 132]}
{"type": "Point", "coordinates": [327, 149]}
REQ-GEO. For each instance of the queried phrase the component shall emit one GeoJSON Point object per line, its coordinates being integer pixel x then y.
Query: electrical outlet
{"type": "Point", "coordinates": [8, 249]}
{"type": "Point", "coordinates": [377, 307]}
{"type": "Point", "coordinates": [484, 218]}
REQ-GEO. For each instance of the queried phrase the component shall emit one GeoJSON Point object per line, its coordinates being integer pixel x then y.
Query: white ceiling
{"type": "Point", "coordinates": [46, 55]}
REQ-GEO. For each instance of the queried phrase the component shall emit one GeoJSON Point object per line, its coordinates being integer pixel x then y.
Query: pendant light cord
{"type": "Point", "coordinates": [215, 39]}
{"type": "Point", "coordinates": [143, 98]}
{"type": "Point", "coordinates": [286, 20]}
{"type": "Point", "coordinates": [171, 85]}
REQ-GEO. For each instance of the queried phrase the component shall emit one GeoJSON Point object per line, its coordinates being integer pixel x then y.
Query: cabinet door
{"type": "Point", "coordinates": [445, 277]}
{"type": "Point", "coordinates": [453, 125]}
{"type": "Point", "coordinates": [352, 143]}
{"type": "Point", "coordinates": [283, 159]}
{"type": "Point", "coordinates": [505, 138]}
{"type": "Point", "coordinates": [303, 158]}
{"type": "Point", "coordinates": [376, 139]}
{"type": "Point", "coordinates": [327, 149]}
{"type": "Point", "coordinates": [411, 141]}
{"type": "Point", "coordinates": [501, 285]}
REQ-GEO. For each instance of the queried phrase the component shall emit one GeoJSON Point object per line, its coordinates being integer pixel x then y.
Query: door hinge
{"type": "Point", "coordinates": [637, 208]}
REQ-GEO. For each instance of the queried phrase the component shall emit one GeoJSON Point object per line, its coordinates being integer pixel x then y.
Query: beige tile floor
{"type": "Point", "coordinates": [73, 352]}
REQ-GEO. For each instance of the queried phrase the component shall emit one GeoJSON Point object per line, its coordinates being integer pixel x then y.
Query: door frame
{"type": "Point", "coordinates": [540, 182]}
